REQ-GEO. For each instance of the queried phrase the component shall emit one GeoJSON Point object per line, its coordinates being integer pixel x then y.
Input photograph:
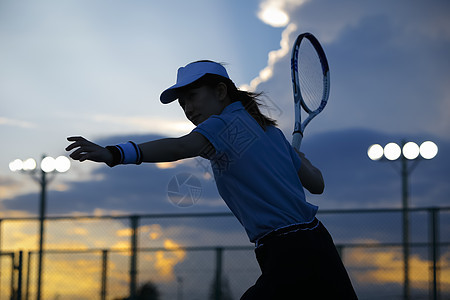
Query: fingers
{"type": "Point", "coordinates": [87, 150]}
{"type": "Point", "coordinates": [77, 142]}
{"type": "Point", "coordinates": [75, 138]}
{"type": "Point", "coordinates": [84, 148]}
{"type": "Point", "coordinates": [78, 154]}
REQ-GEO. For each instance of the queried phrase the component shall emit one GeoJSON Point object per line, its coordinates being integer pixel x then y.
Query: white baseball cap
{"type": "Point", "coordinates": [190, 73]}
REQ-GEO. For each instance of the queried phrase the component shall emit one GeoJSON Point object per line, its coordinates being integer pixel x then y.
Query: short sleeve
{"type": "Point", "coordinates": [209, 130]}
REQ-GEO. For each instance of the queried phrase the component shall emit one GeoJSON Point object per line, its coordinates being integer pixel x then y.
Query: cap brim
{"type": "Point", "coordinates": [171, 94]}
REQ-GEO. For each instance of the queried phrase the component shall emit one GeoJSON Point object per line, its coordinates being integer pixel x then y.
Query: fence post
{"type": "Point", "coordinates": [133, 259]}
{"type": "Point", "coordinates": [13, 275]}
{"type": "Point", "coordinates": [27, 287]}
{"type": "Point", "coordinates": [434, 236]}
{"type": "Point", "coordinates": [18, 267]}
{"type": "Point", "coordinates": [104, 274]}
{"type": "Point", "coordinates": [218, 279]}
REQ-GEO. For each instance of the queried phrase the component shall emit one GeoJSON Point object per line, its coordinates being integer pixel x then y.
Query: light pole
{"type": "Point", "coordinates": [48, 165]}
{"type": "Point", "coordinates": [407, 151]}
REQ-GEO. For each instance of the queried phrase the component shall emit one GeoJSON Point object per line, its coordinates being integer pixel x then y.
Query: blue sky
{"type": "Point", "coordinates": [96, 68]}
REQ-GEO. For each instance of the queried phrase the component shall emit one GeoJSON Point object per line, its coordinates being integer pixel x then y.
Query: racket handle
{"type": "Point", "coordinates": [297, 140]}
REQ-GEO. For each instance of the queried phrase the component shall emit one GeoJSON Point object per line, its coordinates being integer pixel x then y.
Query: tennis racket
{"type": "Point", "coordinates": [310, 80]}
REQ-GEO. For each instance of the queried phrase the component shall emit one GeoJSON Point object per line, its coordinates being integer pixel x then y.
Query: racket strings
{"type": "Point", "coordinates": [310, 76]}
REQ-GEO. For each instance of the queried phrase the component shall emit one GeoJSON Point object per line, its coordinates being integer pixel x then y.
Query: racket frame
{"type": "Point", "coordinates": [299, 103]}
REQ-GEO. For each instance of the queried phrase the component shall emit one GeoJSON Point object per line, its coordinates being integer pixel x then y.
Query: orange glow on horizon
{"type": "Point", "coordinates": [386, 266]}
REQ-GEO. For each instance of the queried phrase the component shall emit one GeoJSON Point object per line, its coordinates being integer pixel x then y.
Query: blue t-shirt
{"type": "Point", "coordinates": [256, 172]}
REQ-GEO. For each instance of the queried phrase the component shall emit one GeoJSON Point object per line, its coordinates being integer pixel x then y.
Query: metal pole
{"type": "Point", "coordinates": [104, 274]}
{"type": "Point", "coordinates": [19, 268]}
{"type": "Point", "coordinates": [218, 279]}
{"type": "Point", "coordinates": [434, 234]}
{"type": "Point", "coordinates": [13, 277]}
{"type": "Point", "coordinates": [180, 288]}
{"type": "Point", "coordinates": [405, 195]}
{"type": "Point", "coordinates": [133, 260]}
{"type": "Point", "coordinates": [41, 231]}
{"type": "Point", "coordinates": [27, 287]}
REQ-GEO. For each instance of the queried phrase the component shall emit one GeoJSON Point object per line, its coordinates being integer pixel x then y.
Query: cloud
{"type": "Point", "coordinates": [16, 123]}
{"type": "Point", "coordinates": [273, 13]}
{"type": "Point", "coordinates": [9, 187]}
{"type": "Point", "coordinates": [273, 57]}
{"type": "Point", "coordinates": [79, 244]}
{"type": "Point", "coordinates": [145, 124]}
{"type": "Point", "coordinates": [166, 260]}
{"type": "Point", "coordinates": [385, 266]}
{"type": "Point", "coordinates": [386, 73]}
{"type": "Point", "coordinates": [339, 154]}
{"type": "Point", "coordinates": [277, 12]}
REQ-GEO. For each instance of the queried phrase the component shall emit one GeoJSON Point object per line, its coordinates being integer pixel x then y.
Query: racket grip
{"type": "Point", "coordinates": [297, 140]}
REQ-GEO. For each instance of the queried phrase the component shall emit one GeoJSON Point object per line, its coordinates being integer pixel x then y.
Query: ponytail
{"type": "Point", "coordinates": [251, 101]}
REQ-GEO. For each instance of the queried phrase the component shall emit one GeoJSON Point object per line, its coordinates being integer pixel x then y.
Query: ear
{"type": "Point", "coordinates": [221, 91]}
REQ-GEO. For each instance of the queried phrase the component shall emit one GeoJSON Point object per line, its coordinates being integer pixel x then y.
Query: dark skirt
{"type": "Point", "coordinates": [302, 263]}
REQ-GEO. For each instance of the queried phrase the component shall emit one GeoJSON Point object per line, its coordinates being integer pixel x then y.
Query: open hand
{"type": "Point", "coordinates": [86, 150]}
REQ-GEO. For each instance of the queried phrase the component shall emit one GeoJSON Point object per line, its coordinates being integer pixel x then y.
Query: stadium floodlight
{"type": "Point", "coordinates": [408, 152]}
{"type": "Point", "coordinates": [48, 165]}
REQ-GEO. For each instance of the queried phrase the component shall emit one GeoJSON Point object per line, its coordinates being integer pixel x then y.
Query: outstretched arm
{"type": "Point", "coordinates": [163, 150]}
{"type": "Point", "coordinates": [171, 149]}
{"type": "Point", "coordinates": [310, 176]}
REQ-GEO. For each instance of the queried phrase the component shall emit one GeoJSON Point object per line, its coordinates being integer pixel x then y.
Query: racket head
{"type": "Point", "coordinates": [312, 78]}
{"type": "Point", "coordinates": [310, 81]}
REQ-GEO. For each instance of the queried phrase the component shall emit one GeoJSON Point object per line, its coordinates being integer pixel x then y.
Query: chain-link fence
{"type": "Point", "coordinates": [208, 256]}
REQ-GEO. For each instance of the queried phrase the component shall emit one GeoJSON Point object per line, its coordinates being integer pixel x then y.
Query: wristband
{"type": "Point", "coordinates": [128, 153]}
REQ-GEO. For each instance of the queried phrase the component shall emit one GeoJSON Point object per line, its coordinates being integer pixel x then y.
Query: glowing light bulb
{"type": "Point", "coordinates": [62, 164]}
{"type": "Point", "coordinates": [411, 150]}
{"type": "Point", "coordinates": [16, 165]}
{"type": "Point", "coordinates": [375, 152]}
{"type": "Point", "coordinates": [428, 150]}
{"type": "Point", "coordinates": [48, 164]}
{"type": "Point", "coordinates": [392, 151]}
{"type": "Point", "coordinates": [29, 164]}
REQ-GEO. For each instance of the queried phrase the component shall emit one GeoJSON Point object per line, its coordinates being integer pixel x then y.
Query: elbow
{"type": "Point", "coordinates": [320, 184]}
{"type": "Point", "coordinates": [317, 189]}
{"type": "Point", "coordinates": [316, 184]}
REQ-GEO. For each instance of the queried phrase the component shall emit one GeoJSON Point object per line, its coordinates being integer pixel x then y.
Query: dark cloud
{"type": "Point", "coordinates": [388, 63]}
{"type": "Point", "coordinates": [352, 181]}
{"type": "Point", "coordinates": [130, 189]}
